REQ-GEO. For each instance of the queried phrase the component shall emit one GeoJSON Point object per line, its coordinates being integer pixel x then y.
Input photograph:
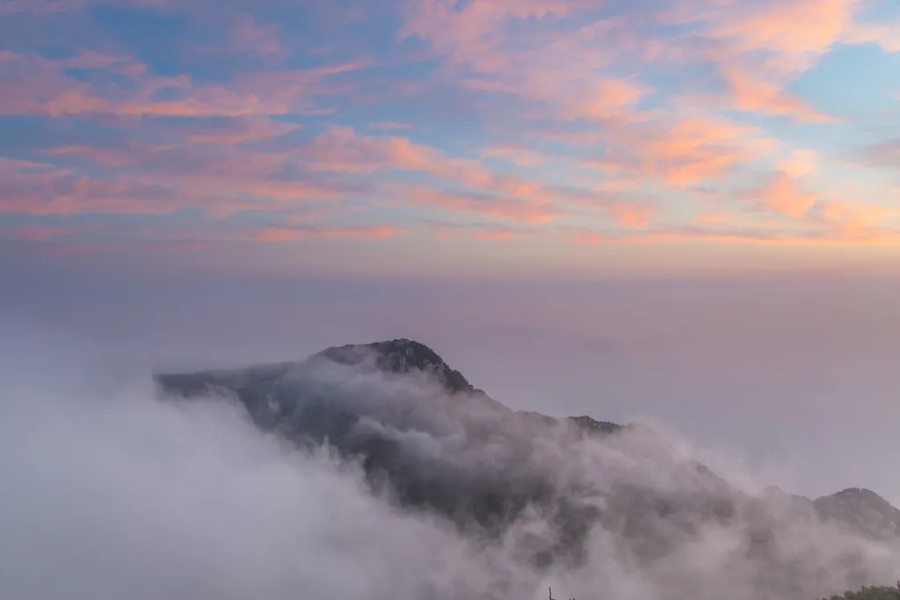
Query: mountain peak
{"type": "Point", "coordinates": [593, 425]}
{"type": "Point", "coordinates": [863, 509]}
{"type": "Point", "coordinates": [401, 355]}
{"type": "Point", "coordinates": [278, 401]}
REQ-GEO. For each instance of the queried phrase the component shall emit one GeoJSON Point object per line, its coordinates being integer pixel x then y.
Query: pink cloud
{"type": "Point", "coordinates": [798, 30]}
{"type": "Point", "coordinates": [142, 178]}
{"type": "Point", "coordinates": [799, 163]}
{"type": "Point", "coordinates": [696, 149]}
{"type": "Point", "coordinates": [67, 249]}
{"type": "Point", "coordinates": [238, 131]}
{"type": "Point", "coordinates": [34, 232]}
{"type": "Point", "coordinates": [40, 7]}
{"type": "Point", "coordinates": [463, 30]}
{"type": "Point", "coordinates": [286, 234]}
{"type": "Point", "coordinates": [342, 149]}
{"type": "Point", "coordinates": [886, 35]}
{"type": "Point", "coordinates": [588, 238]}
{"type": "Point", "coordinates": [250, 36]}
{"type": "Point", "coordinates": [40, 86]}
{"type": "Point", "coordinates": [478, 231]}
{"type": "Point", "coordinates": [481, 49]}
{"type": "Point", "coordinates": [389, 125]}
{"type": "Point", "coordinates": [557, 94]}
{"type": "Point", "coordinates": [508, 209]}
{"type": "Point", "coordinates": [604, 99]}
{"type": "Point", "coordinates": [45, 189]}
{"type": "Point", "coordinates": [46, 7]}
{"type": "Point", "coordinates": [497, 235]}
{"type": "Point", "coordinates": [882, 155]}
{"type": "Point", "coordinates": [520, 155]}
{"type": "Point", "coordinates": [683, 152]}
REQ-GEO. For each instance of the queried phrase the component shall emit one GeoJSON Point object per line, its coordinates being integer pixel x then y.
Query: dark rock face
{"type": "Point", "coordinates": [862, 510]}
{"type": "Point", "coordinates": [401, 356]}
{"type": "Point", "coordinates": [429, 440]}
{"type": "Point", "coordinates": [595, 426]}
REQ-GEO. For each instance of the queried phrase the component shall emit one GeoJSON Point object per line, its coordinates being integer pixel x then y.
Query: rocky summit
{"type": "Point", "coordinates": [401, 356]}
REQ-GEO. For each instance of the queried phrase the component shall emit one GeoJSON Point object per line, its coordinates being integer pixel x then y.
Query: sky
{"type": "Point", "coordinates": [535, 136]}
{"type": "Point", "coordinates": [685, 211]}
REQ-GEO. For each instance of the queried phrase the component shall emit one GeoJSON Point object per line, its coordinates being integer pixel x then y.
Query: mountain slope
{"type": "Point", "coordinates": [430, 441]}
{"type": "Point", "coordinates": [861, 509]}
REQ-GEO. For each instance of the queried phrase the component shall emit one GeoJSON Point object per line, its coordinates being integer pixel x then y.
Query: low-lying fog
{"type": "Point", "coordinates": [111, 491]}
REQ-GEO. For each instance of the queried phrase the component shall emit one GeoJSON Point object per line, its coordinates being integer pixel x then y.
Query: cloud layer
{"type": "Point", "coordinates": [115, 492]}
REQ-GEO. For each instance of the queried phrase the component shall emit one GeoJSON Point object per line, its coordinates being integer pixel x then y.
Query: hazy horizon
{"type": "Point", "coordinates": [790, 377]}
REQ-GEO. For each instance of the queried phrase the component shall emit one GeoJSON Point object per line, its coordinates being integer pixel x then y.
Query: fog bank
{"type": "Point", "coordinates": [111, 491]}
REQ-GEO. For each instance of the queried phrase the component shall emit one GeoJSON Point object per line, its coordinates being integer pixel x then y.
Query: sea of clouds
{"type": "Point", "coordinates": [112, 490]}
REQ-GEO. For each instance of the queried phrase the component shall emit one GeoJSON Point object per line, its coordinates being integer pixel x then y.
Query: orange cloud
{"type": "Point", "coordinates": [799, 163]}
{"type": "Point", "coordinates": [754, 94]}
{"type": "Point", "coordinates": [711, 217]}
{"type": "Point", "coordinates": [762, 237]}
{"type": "Point", "coordinates": [632, 216]}
{"type": "Point", "coordinates": [783, 196]}
{"type": "Point", "coordinates": [858, 219]}
{"type": "Point", "coordinates": [497, 235]}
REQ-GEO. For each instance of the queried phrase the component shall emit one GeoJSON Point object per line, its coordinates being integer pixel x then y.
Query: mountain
{"type": "Point", "coordinates": [402, 356]}
{"type": "Point", "coordinates": [861, 509]}
{"type": "Point", "coordinates": [429, 441]}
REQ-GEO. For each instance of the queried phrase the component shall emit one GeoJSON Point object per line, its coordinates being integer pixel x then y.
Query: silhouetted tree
{"type": "Point", "coordinates": [870, 593]}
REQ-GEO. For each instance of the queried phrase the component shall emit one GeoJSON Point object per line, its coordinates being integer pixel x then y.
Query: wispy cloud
{"type": "Point", "coordinates": [620, 121]}
{"type": "Point", "coordinates": [287, 234]}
